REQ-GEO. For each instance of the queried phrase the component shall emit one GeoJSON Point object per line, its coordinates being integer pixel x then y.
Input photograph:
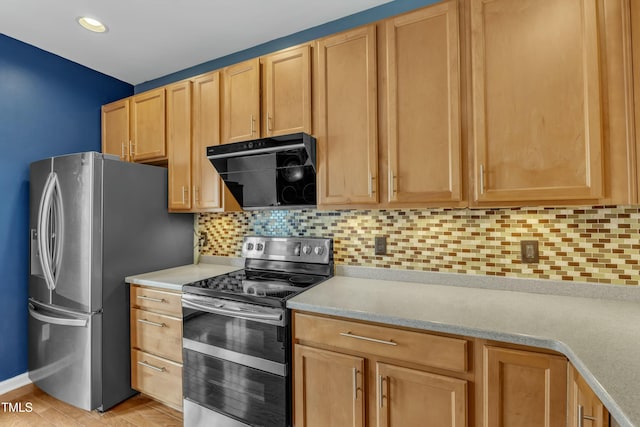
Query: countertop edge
{"type": "Point", "coordinates": [153, 284]}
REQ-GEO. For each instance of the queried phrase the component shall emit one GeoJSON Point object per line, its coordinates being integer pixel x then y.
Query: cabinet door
{"type": "Point", "coordinates": [148, 126]}
{"type": "Point", "coordinates": [207, 185]}
{"type": "Point", "coordinates": [179, 142]}
{"type": "Point", "coordinates": [347, 140]}
{"type": "Point", "coordinates": [536, 101]}
{"type": "Point", "coordinates": [523, 389]}
{"type": "Point", "coordinates": [288, 92]}
{"type": "Point", "coordinates": [584, 404]}
{"type": "Point", "coordinates": [115, 129]}
{"type": "Point", "coordinates": [423, 106]}
{"type": "Point", "coordinates": [242, 101]}
{"type": "Point", "coordinates": [328, 388]}
{"type": "Point", "coordinates": [409, 397]}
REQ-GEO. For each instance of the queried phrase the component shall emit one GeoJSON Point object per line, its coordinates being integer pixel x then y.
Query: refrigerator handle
{"type": "Point", "coordinates": [58, 236]}
{"type": "Point", "coordinates": [44, 224]}
{"type": "Point", "coordinates": [54, 320]}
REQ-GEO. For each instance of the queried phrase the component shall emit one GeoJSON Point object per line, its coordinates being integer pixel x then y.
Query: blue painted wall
{"type": "Point", "coordinates": [371, 15]}
{"type": "Point", "coordinates": [48, 106]}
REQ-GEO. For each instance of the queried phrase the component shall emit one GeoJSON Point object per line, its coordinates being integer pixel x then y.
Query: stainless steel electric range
{"type": "Point", "coordinates": [236, 333]}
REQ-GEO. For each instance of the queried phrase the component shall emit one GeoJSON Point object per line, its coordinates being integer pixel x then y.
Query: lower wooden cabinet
{"type": "Point", "coordinates": [156, 344]}
{"type": "Point", "coordinates": [410, 397]}
{"type": "Point", "coordinates": [368, 375]}
{"type": "Point", "coordinates": [329, 388]}
{"type": "Point", "coordinates": [157, 377]}
{"type": "Point", "coordinates": [523, 388]}
{"type": "Point", "coordinates": [353, 373]}
{"type": "Point", "coordinates": [585, 409]}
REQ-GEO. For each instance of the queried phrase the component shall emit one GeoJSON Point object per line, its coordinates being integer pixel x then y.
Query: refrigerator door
{"type": "Point", "coordinates": [63, 359]}
{"type": "Point", "coordinates": [65, 265]}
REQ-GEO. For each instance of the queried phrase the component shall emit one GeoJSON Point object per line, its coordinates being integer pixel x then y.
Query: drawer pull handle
{"type": "Point", "coordinates": [360, 337]}
{"type": "Point", "coordinates": [380, 390]}
{"type": "Point", "coordinates": [149, 322]}
{"type": "Point", "coordinates": [148, 365]}
{"type": "Point", "coordinates": [152, 299]}
{"type": "Point", "coordinates": [355, 383]}
{"type": "Point", "coordinates": [582, 416]}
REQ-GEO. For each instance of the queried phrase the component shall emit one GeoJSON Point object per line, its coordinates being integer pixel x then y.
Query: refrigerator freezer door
{"type": "Point", "coordinates": [63, 360]}
{"type": "Point", "coordinates": [66, 198]}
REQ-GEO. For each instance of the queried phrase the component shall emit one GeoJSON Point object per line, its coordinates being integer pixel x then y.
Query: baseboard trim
{"type": "Point", "coordinates": [13, 383]}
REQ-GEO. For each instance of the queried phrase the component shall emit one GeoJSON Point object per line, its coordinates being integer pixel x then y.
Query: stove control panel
{"type": "Point", "coordinates": [296, 249]}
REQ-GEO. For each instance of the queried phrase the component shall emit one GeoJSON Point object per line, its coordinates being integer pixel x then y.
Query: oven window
{"type": "Point", "coordinates": [238, 335]}
{"type": "Point", "coordinates": [249, 395]}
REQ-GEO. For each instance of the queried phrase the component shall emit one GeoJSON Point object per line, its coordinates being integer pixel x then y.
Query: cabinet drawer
{"type": "Point", "coordinates": [156, 334]}
{"type": "Point", "coordinates": [162, 301]}
{"type": "Point", "coordinates": [425, 349]}
{"type": "Point", "coordinates": [159, 378]}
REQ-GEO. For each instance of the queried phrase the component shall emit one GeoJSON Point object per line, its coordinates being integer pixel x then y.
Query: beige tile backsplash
{"type": "Point", "coordinates": [599, 244]}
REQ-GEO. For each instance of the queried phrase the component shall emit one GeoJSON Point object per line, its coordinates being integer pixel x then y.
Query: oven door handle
{"type": "Point", "coordinates": [234, 313]}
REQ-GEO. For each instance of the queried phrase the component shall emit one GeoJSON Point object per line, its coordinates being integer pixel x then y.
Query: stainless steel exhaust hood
{"type": "Point", "coordinates": [269, 173]}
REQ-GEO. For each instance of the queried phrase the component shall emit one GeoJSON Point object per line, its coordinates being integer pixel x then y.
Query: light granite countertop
{"type": "Point", "coordinates": [175, 278]}
{"type": "Point", "coordinates": [601, 337]}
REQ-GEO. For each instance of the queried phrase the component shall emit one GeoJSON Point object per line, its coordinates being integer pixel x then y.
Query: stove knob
{"type": "Point", "coordinates": [319, 250]}
{"type": "Point", "coordinates": [249, 246]}
{"type": "Point", "coordinates": [259, 247]}
{"type": "Point", "coordinates": [306, 249]}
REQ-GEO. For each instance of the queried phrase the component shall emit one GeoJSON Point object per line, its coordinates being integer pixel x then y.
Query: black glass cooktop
{"type": "Point", "coordinates": [262, 287]}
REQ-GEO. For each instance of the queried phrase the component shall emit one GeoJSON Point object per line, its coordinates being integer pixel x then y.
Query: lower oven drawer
{"type": "Point", "coordinates": [246, 394]}
{"type": "Point", "coordinates": [159, 378]}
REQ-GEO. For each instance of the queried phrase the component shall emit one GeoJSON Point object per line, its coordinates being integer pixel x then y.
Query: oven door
{"type": "Point", "coordinates": [235, 360]}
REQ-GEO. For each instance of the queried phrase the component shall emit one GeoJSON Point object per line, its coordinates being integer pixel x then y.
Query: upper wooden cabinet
{"type": "Point", "coordinates": [115, 129]}
{"type": "Point", "coordinates": [423, 126]}
{"type": "Point", "coordinates": [537, 116]}
{"type": "Point", "coordinates": [209, 192]}
{"type": "Point", "coordinates": [134, 128]}
{"type": "Point", "coordinates": [346, 108]}
{"type": "Point", "coordinates": [193, 124]}
{"type": "Point", "coordinates": [635, 45]}
{"type": "Point", "coordinates": [479, 103]}
{"type": "Point", "coordinates": [179, 143]}
{"type": "Point", "coordinates": [523, 388]}
{"type": "Point", "coordinates": [287, 91]}
{"type": "Point", "coordinates": [148, 126]}
{"type": "Point", "coordinates": [242, 101]}
{"type": "Point", "coordinates": [585, 409]}
{"type": "Point", "coordinates": [284, 89]}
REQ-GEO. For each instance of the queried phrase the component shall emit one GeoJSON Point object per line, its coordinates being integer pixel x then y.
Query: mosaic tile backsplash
{"type": "Point", "coordinates": [598, 245]}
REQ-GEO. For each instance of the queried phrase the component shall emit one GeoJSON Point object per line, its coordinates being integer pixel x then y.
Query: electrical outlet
{"type": "Point", "coordinates": [529, 253]}
{"type": "Point", "coordinates": [203, 239]}
{"type": "Point", "coordinates": [381, 245]}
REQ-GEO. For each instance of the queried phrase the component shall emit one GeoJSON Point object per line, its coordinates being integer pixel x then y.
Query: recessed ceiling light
{"type": "Point", "coordinates": [92, 24]}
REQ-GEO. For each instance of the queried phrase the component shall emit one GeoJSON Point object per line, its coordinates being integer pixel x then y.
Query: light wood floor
{"type": "Point", "coordinates": [47, 411]}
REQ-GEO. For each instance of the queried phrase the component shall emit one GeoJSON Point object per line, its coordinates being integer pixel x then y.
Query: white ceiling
{"type": "Point", "coordinates": [148, 39]}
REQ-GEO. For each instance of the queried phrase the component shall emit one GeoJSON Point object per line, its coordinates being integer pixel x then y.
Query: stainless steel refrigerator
{"type": "Point", "coordinates": [94, 220]}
